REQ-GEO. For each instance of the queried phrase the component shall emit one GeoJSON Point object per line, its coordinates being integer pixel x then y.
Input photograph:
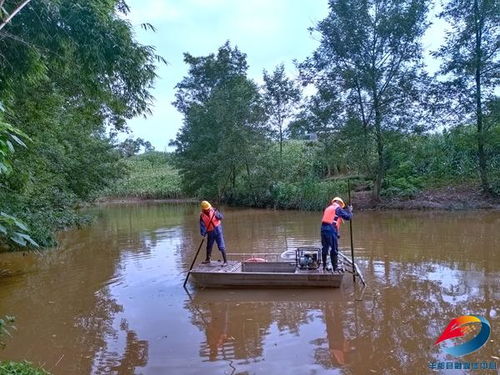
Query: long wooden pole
{"type": "Point", "coordinates": [198, 251]}
{"type": "Point", "coordinates": [192, 263]}
{"type": "Point", "coordinates": [350, 230]}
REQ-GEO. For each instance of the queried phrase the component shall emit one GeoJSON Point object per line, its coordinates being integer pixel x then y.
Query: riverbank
{"type": "Point", "coordinates": [126, 200]}
{"type": "Point", "coordinates": [465, 197]}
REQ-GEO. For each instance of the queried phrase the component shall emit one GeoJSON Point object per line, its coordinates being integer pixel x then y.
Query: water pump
{"type": "Point", "coordinates": [308, 258]}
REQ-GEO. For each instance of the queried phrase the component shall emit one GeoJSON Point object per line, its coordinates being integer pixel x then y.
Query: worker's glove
{"type": "Point", "coordinates": [203, 234]}
{"type": "Point", "coordinates": [350, 208]}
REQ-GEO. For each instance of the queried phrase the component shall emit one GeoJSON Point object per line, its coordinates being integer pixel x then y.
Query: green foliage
{"type": "Point", "coordinates": [469, 73]}
{"type": "Point", "coordinates": [223, 130]}
{"type": "Point", "coordinates": [20, 368]}
{"type": "Point", "coordinates": [9, 136]}
{"type": "Point", "coordinates": [132, 146]}
{"type": "Point", "coordinates": [369, 59]}
{"type": "Point", "coordinates": [298, 186]}
{"type": "Point", "coordinates": [71, 74]}
{"type": "Point", "coordinates": [307, 195]}
{"type": "Point", "coordinates": [150, 175]}
{"type": "Point", "coordinates": [415, 162]}
{"type": "Point", "coordinates": [12, 230]}
{"type": "Point", "coordinates": [10, 367]}
{"type": "Point", "coordinates": [15, 230]}
{"type": "Point", "coordinates": [281, 96]}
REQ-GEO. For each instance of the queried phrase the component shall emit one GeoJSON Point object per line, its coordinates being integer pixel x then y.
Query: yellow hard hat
{"type": "Point", "coordinates": [338, 199]}
{"type": "Point", "coordinates": [205, 205]}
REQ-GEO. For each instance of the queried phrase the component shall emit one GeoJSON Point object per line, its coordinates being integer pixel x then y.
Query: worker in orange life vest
{"type": "Point", "coordinates": [330, 229]}
{"type": "Point", "coordinates": [210, 225]}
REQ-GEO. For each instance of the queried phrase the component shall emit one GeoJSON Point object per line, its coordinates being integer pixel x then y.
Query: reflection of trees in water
{"type": "Point", "coordinates": [135, 354]}
{"type": "Point", "coordinates": [289, 316]}
{"type": "Point", "coordinates": [126, 232]}
{"type": "Point", "coordinates": [115, 348]}
{"type": "Point", "coordinates": [335, 349]}
{"type": "Point", "coordinates": [139, 227]}
{"type": "Point", "coordinates": [451, 272]}
{"type": "Point", "coordinates": [397, 328]}
{"type": "Point", "coordinates": [459, 240]}
{"type": "Point", "coordinates": [233, 330]}
{"type": "Point", "coordinates": [392, 330]}
{"type": "Point", "coordinates": [236, 329]}
{"type": "Point", "coordinates": [75, 310]}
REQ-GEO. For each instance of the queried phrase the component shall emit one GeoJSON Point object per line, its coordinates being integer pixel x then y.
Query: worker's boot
{"type": "Point", "coordinates": [225, 259]}
{"type": "Point", "coordinates": [334, 261]}
{"type": "Point", "coordinates": [207, 258]}
{"type": "Point", "coordinates": [206, 261]}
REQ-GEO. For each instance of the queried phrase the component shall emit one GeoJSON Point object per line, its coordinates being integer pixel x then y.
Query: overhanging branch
{"type": "Point", "coordinates": [16, 10]}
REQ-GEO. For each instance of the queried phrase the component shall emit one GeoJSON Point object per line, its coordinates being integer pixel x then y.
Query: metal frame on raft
{"type": "Point", "coordinates": [258, 270]}
{"type": "Point", "coordinates": [354, 270]}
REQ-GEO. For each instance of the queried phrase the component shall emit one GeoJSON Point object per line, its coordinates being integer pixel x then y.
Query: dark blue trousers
{"type": "Point", "coordinates": [329, 242]}
{"type": "Point", "coordinates": [217, 236]}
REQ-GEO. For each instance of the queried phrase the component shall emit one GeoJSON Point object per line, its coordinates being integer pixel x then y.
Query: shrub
{"type": "Point", "coordinates": [20, 368]}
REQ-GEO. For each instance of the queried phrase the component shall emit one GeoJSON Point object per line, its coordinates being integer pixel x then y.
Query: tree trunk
{"type": "Point", "coordinates": [254, 195]}
{"type": "Point", "coordinates": [479, 111]}
{"type": "Point", "coordinates": [281, 140]}
{"type": "Point", "coordinates": [380, 150]}
{"type": "Point", "coordinates": [365, 128]}
{"type": "Point", "coordinates": [280, 124]}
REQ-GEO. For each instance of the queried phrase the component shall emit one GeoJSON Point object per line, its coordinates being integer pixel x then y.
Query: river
{"type": "Point", "coordinates": [109, 299]}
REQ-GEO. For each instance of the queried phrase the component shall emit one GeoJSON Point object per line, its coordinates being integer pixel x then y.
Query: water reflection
{"type": "Point", "coordinates": [110, 301]}
{"type": "Point", "coordinates": [339, 347]}
{"type": "Point", "coordinates": [392, 328]}
{"type": "Point", "coordinates": [250, 326]}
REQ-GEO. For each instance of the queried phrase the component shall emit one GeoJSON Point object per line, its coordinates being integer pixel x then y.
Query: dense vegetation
{"type": "Point", "coordinates": [375, 114]}
{"type": "Point", "coordinates": [71, 74]}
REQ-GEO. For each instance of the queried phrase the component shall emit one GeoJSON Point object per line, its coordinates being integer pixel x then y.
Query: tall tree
{"type": "Point", "coordinates": [472, 65]}
{"type": "Point", "coordinates": [370, 53]}
{"type": "Point", "coordinates": [223, 121]}
{"type": "Point", "coordinates": [131, 146]}
{"type": "Point", "coordinates": [70, 72]}
{"type": "Point", "coordinates": [281, 97]}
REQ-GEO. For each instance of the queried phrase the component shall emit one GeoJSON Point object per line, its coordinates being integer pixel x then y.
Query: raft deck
{"type": "Point", "coordinates": [262, 275]}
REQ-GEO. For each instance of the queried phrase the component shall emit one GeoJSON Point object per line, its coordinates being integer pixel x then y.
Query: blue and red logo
{"type": "Point", "coordinates": [462, 326]}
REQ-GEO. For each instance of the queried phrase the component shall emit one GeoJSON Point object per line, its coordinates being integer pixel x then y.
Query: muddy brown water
{"type": "Point", "coordinates": [110, 300]}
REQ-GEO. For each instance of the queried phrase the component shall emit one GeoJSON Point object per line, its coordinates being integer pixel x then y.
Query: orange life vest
{"type": "Point", "coordinates": [210, 220]}
{"type": "Point", "coordinates": [330, 216]}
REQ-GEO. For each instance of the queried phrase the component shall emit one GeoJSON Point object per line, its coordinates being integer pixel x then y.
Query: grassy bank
{"type": "Point", "coordinates": [150, 176]}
